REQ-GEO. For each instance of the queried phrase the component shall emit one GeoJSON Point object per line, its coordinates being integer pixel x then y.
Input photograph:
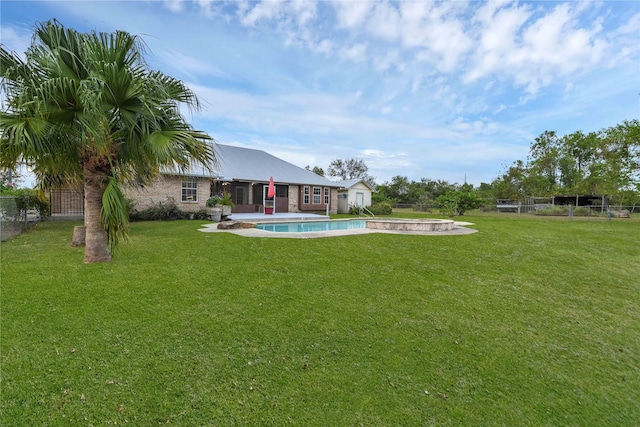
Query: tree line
{"type": "Point", "coordinates": [606, 163]}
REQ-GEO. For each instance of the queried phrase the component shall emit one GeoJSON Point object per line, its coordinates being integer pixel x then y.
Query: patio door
{"type": "Point", "coordinates": [240, 196]}
{"type": "Point", "coordinates": [268, 202]}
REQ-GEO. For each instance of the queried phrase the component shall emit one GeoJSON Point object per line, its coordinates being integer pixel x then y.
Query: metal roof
{"type": "Point", "coordinates": [195, 169]}
{"type": "Point", "coordinates": [246, 164]}
{"type": "Point", "coordinates": [351, 182]}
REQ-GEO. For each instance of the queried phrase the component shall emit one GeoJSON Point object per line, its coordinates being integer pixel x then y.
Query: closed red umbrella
{"type": "Point", "coordinates": [272, 188]}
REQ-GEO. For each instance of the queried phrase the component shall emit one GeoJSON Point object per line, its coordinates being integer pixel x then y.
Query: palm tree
{"type": "Point", "coordinates": [85, 108]}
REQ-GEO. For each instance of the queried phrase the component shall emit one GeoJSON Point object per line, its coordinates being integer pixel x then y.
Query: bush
{"type": "Point", "coordinates": [564, 211]}
{"type": "Point", "coordinates": [354, 210]}
{"type": "Point", "coordinates": [458, 202]}
{"type": "Point", "coordinates": [581, 211]}
{"type": "Point", "coordinates": [161, 212]}
{"type": "Point", "coordinates": [382, 208]}
{"type": "Point", "coordinates": [202, 214]}
{"type": "Point", "coordinates": [553, 211]}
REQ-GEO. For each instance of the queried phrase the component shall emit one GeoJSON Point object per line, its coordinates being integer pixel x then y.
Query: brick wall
{"type": "Point", "coordinates": [166, 188]}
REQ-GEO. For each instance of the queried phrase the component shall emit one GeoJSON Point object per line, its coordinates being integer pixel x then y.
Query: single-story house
{"type": "Point", "coordinates": [354, 192]}
{"type": "Point", "coordinates": [243, 173]}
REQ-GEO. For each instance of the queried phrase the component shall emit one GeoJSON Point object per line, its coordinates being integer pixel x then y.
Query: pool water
{"type": "Point", "coordinates": [309, 226]}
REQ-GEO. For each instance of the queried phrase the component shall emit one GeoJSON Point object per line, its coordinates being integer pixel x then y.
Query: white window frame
{"type": "Point", "coordinates": [317, 195]}
{"type": "Point", "coordinates": [306, 198]}
{"type": "Point", "coordinates": [327, 193]}
{"type": "Point", "coordinates": [189, 190]}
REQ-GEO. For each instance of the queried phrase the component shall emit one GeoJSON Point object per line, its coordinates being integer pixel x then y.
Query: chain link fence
{"type": "Point", "coordinates": [14, 220]}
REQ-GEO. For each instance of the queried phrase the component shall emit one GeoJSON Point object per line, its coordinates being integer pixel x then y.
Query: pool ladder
{"type": "Point", "coordinates": [366, 212]}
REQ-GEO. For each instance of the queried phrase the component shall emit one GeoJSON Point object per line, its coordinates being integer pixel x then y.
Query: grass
{"type": "Point", "coordinates": [530, 321]}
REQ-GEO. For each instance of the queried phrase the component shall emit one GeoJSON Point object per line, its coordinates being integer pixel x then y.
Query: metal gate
{"type": "Point", "coordinates": [66, 202]}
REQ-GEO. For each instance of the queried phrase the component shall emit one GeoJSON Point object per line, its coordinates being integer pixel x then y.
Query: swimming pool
{"type": "Point", "coordinates": [309, 226]}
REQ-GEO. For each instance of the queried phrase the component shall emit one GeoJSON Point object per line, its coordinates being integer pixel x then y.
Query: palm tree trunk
{"type": "Point", "coordinates": [97, 241]}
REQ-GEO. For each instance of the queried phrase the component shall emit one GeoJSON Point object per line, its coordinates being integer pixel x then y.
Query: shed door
{"type": "Point", "coordinates": [360, 200]}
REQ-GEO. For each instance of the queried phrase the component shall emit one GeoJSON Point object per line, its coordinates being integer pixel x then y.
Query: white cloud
{"type": "Point", "coordinates": [206, 7]}
{"type": "Point", "coordinates": [16, 39]}
{"type": "Point", "coordinates": [438, 30]}
{"type": "Point", "coordinates": [355, 53]}
{"type": "Point", "coordinates": [535, 47]}
{"type": "Point", "coordinates": [384, 22]}
{"type": "Point", "coordinates": [352, 14]}
{"type": "Point", "coordinates": [499, 36]}
{"type": "Point", "coordinates": [175, 6]}
{"type": "Point", "coordinates": [304, 11]}
{"type": "Point", "coordinates": [390, 59]}
{"type": "Point", "coordinates": [265, 10]}
{"type": "Point", "coordinates": [190, 65]}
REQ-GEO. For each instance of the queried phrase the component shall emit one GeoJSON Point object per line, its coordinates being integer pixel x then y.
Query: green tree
{"type": "Point", "coordinates": [577, 154]}
{"type": "Point", "coordinates": [511, 184]}
{"type": "Point", "coordinates": [316, 169]}
{"type": "Point", "coordinates": [349, 169]}
{"type": "Point", "coordinates": [459, 201]}
{"type": "Point", "coordinates": [619, 168]}
{"type": "Point", "coordinates": [84, 107]}
{"type": "Point", "coordinates": [395, 190]}
{"type": "Point", "coordinates": [544, 164]}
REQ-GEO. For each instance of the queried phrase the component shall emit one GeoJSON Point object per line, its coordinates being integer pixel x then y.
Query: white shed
{"type": "Point", "coordinates": [354, 192]}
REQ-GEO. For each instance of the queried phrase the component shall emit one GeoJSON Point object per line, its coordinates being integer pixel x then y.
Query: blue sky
{"type": "Point", "coordinates": [425, 89]}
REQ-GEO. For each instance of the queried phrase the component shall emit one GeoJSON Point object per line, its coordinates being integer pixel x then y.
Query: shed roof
{"type": "Point", "coordinates": [348, 183]}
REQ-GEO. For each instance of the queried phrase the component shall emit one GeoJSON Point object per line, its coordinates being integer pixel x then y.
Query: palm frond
{"type": "Point", "coordinates": [114, 214]}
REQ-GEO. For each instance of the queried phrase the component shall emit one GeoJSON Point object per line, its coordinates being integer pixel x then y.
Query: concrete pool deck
{"type": "Point", "coordinates": [459, 228]}
{"type": "Point", "coordinates": [285, 216]}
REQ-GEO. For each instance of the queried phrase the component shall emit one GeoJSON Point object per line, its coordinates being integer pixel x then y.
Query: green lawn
{"type": "Point", "coordinates": [530, 321]}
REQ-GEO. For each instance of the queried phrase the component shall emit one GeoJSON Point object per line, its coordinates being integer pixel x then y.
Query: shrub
{"type": "Point", "coordinates": [213, 200]}
{"type": "Point", "coordinates": [553, 211]}
{"type": "Point", "coordinates": [382, 208]}
{"type": "Point", "coordinates": [160, 212]}
{"type": "Point", "coordinates": [354, 210]}
{"type": "Point", "coordinates": [222, 200]}
{"type": "Point", "coordinates": [458, 202]}
{"type": "Point", "coordinates": [564, 211]}
{"type": "Point", "coordinates": [201, 214]}
{"type": "Point", "coordinates": [581, 211]}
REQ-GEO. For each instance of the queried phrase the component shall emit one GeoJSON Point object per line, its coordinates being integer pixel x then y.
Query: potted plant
{"type": "Point", "coordinates": [214, 208]}
{"type": "Point", "coordinates": [219, 206]}
{"type": "Point", "coordinates": [226, 203]}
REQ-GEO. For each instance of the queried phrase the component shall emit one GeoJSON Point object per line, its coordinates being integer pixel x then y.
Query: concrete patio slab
{"type": "Point", "coordinates": [285, 216]}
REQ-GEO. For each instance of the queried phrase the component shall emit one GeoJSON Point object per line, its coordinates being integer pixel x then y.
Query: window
{"type": "Point", "coordinates": [306, 195]}
{"type": "Point", "coordinates": [189, 190]}
{"type": "Point", "coordinates": [240, 193]}
{"type": "Point", "coordinates": [282, 191]}
{"type": "Point", "coordinates": [317, 192]}
{"type": "Point", "coordinates": [326, 195]}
